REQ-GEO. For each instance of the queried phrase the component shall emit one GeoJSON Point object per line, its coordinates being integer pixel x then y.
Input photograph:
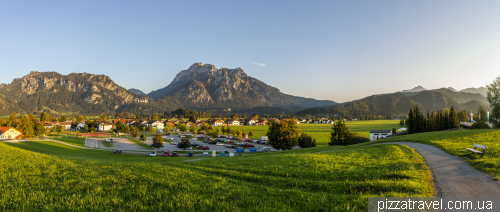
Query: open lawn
{"type": "Point", "coordinates": [72, 140]}
{"type": "Point", "coordinates": [47, 176]}
{"type": "Point", "coordinates": [455, 142]}
{"type": "Point", "coordinates": [321, 132]}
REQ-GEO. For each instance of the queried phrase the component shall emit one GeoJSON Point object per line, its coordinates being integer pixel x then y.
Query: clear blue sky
{"type": "Point", "coordinates": [336, 50]}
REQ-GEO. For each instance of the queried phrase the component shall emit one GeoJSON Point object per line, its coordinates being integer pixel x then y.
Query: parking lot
{"type": "Point", "coordinates": [177, 138]}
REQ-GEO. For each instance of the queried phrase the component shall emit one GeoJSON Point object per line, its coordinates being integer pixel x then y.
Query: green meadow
{"type": "Point", "coordinates": [455, 142]}
{"type": "Point", "coordinates": [321, 132]}
{"type": "Point", "coordinates": [48, 176]}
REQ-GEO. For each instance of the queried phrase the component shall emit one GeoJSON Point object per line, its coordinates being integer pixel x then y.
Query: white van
{"type": "Point", "coordinates": [263, 138]}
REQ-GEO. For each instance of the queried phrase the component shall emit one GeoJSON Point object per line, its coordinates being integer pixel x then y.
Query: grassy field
{"type": "Point", "coordinates": [72, 140]}
{"type": "Point", "coordinates": [455, 142]}
{"type": "Point", "coordinates": [321, 132]}
{"type": "Point", "coordinates": [47, 176]}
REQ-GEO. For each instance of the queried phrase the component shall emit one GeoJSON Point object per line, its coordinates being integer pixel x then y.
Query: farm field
{"type": "Point", "coordinates": [321, 132]}
{"type": "Point", "coordinates": [43, 175]}
{"type": "Point", "coordinates": [455, 142]}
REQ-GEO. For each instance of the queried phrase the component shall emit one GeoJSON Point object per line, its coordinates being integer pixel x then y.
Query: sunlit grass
{"type": "Point", "coordinates": [53, 177]}
{"type": "Point", "coordinates": [455, 142]}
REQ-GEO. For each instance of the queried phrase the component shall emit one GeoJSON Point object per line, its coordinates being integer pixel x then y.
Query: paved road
{"type": "Point", "coordinates": [453, 177]}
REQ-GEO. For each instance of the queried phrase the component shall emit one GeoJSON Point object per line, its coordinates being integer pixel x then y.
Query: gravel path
{"type": "Point", "coordinates": [452, 176]}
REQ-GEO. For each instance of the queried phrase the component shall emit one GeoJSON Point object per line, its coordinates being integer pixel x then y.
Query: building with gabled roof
{"type": "Point", "coordinates": [10, 133]}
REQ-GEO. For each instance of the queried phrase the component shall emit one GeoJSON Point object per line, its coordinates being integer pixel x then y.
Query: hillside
{"type": "Point", "coordinates": [395, 104]}
{"type": "Point", "coordinates": [205, 86]}
{"type": "Point", "coordinates": [463, 97]}
{"type": "Point", "coordinates": [136, 91]}
{"type": "Point", "coordinates": [480, 90]}
{"type": "Point", "coordinates": [51, 91]}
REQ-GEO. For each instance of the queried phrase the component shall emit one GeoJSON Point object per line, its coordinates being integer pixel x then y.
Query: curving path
{"type": "Point", "coordinates": [452, 176]}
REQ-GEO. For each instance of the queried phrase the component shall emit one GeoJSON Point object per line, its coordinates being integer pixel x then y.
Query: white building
{"type": "Point", "coordinates": [9, 133]}
{"type": "Point", "coordinates": [251, 122]}
{"type": "Point", "coordinates": [374, 134]}
{"type": "Point", "coordinates": [157, 125]}
{"type": "Point", "coordinates": [103, 127]}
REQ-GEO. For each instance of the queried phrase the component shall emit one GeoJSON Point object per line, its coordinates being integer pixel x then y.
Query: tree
{"type": "Point", "coordinates": [306, 140]}
{"type": "Point", "coordinates": [192, 130]}
{"type": "Point", "coordinates": [13, 117]}
{"type": "Point", "coordinates": [244, 134]}
{"type": "Point", "coordinates": [493, 96]}
{"type": "Point", "coordinates": [223, 130]}
{"type": "Point", "coordinates": [182, 127]}
{"type": "Point", "coordinates": [86, 127]}
{"type": "Point", "coordinates": [283, 135]}
{"type": "Point", "coordinates": [143, 138]}
{"type": "Point", "coordinates": [157, 141]}
{"type": "Point", "coordinates": [44, 117]}
{"type": "Point", "coordinates": [453, 119]}
{"type": "Point", "coordinates": [134, 132]}
{"type": "Point", "coordinates": [39, 129]}
{"type": "Point", "coordinates": [25, 126]}
{"type": "Point", "coordinates": [125, 129]}
{"type": "Point", "coordinates": [63, 118]}
{"type": "Point", "coordinates": [250, 134]}
{"type": "Point", "coordinates": [166, 129]}
{"type": "Point", "coordinates": [192, 119]}
{"type": "Point", "coordinates": [184, 144]}
{"type": "Point", "coordinates": [234, 116]}
{"type": "Point", "coordinates": [256, 117]}
{"type": "Point", "coordinates": [341, 133]}
{"type": "Point", "coordinates": [93, 129]}
{"type": "Point", "coordinates": [393, 130]}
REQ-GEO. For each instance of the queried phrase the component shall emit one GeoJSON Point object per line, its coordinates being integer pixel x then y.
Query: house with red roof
{"type": "Point", "coordinates": [10, 133]}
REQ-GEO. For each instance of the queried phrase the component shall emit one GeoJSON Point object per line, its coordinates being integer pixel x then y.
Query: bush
{"type": "Point", "coordinates": [358, 139]}
{"type": "Point", "coordinates": [480, 125]}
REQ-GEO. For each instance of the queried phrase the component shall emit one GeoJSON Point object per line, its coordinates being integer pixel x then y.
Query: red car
{"type": "Point", "coordinates": [204, 147]}
{"type": "Point", "coordinates": [230, 142]}
{"type": "Point", "coordinates": [174, 154]}
{"type": "Point", "coordinates": [166, 153]}
{"type": "Point", "coordinates": [249, 145]}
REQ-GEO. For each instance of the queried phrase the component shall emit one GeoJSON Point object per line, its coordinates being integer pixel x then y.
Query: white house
{"type": "Point", "coordinates": [102, 127]}
{"type": "Point", "coordinates": [374, 134]}
{"type": "Point", "coordinates": [80, 126]}
{"type": "Point", "coordinates": [233, 122]}
{"type": "Point", "coordinates": [156, 124]}
{"type": "Point", "coordinates": [9, 133]}
{"type": "Point", "coordinates": [218, 123]}
{"type": "Point", "coordinates": [66, 125]}
{"type": "Point", "coordinates": [251, 122]}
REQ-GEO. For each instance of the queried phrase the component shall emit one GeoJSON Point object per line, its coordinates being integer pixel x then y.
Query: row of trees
{"type": "Point", "coordinates": [418, 122]}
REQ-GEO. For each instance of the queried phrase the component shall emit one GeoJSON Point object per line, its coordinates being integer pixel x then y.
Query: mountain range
{"type": "Point", "coordinates": [204, 87]}
{"type": "Point", "coordinates": [201, 86]}
{"type": "Point", "coordinates": [399, 103]}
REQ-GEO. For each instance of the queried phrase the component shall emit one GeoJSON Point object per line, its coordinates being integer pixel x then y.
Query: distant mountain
{"type": "Point", "coordinates": [463, 97]}
{"type": "Point", "coordinates": [452, 89]}
{"type": "Point", "coordinates": [397, 104]}
{"type": "Point", "coordinates": [136, 91]}
{"type": "Point", "coordinates": [53, 92]}
{"type": "Point", "coordinates": [480, 90]}
{"type": "Point", "coordinates": [474, 105]}
{"type": "Point", "coordinates": [205, 86]}
{"type": "Point", "coordinates": [415, 89]}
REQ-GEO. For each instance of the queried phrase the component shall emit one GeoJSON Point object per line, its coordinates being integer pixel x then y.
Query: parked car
{"type": "Point", "coordinates": [266, 149]}
{"type": "Point", "coordinates": [167, 134]}
{"type": "Point", "coordinates": [230, 142]}
{"type": "Point", "coordinates": [118, 151]}
{"type": "Point", "coordinates": [219, 144]}
{"type": "Point", "coordinates": [249, 145]}
{"type": "Point", "coordinates": [159, 131]}
{"type": "Point", "coordinates": [152, 154]}
{"type": "Point", "coordinates": [256, 141]}
{"type": "Point", "coordinates": [175, 154]}
{"type": "Point", "coordinates": [174, 143]}
{"type": "Point", "coordinates": [190, 154]}
{"type": "Point", "coordinates": [166, 153]}
{"type": "Point", "coordinates": [205, 148]}
{"type": "Point", "coordinates": [264, 138]}
{"type": "Point", "coordinates": [212, 142]}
